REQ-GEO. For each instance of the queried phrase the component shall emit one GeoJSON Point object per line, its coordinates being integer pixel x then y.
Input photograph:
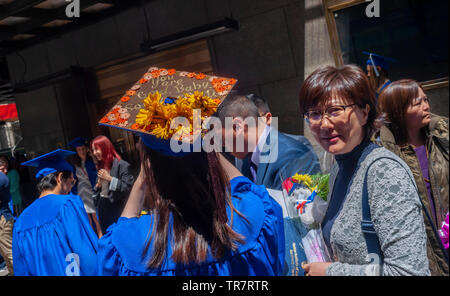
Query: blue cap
{"type": "Point", "coordinates": [77, 142]}
{"type": "Point", "coordinates": [376, 60]}
{"type": "Point", "coordinates": [51, 162]}
{"type": "Point", "coordinates": [163, 146]}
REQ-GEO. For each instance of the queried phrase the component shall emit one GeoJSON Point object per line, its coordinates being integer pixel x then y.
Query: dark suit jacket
{"type": "Point", "coordinates": [289, 157]}
{"type": "Point", "coordinates": [110, 209]}
{"type": "Point", "coordinates": [121, 170]}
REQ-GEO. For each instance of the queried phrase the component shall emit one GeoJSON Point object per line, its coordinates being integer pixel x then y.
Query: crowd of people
{"type": "Point", "coordinates": [199, 213]}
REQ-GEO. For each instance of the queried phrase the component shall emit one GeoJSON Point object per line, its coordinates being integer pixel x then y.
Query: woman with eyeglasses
{"type": "Point", "coordinates": [53, 237]}
{"type": "Point", "coordinates": [373, 224]}
{"type": "Point", "coordinates": [421, 140]}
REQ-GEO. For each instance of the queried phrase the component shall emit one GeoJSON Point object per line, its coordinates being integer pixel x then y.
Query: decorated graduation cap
{"type": "Point", "coordinates": [51, 162]}
{"type": "Point", "coordinates": [77, 142]}
{"type": "Point", "coordinates": [376, 60]}
{"type": "Point", "coordinates": [150, 106]}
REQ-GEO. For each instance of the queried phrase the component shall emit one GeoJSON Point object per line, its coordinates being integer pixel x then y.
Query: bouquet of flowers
{"type": "Point", "coordinates": [443, 233]}
{"type": "Point", "coordinates": [305, 198]}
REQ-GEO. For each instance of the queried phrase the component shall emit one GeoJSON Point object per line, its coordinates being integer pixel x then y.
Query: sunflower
{"type": "Point", "coordinates": [307, 181]}
{"type": "Point", "coordinates": [156, 116]}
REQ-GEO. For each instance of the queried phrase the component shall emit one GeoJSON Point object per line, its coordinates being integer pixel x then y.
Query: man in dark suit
{"type": "Point", "coordinates": [267, 155]}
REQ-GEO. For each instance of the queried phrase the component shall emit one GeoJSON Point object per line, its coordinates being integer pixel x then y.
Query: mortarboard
{"type": "Point", "coordinates": [376, 60]}
{"type": "Point", "coordinates": [150, 105]}
{"type": "Point", "coordinates": [77, 142]}
{"type": "Point", "coordinates": [51, 162]}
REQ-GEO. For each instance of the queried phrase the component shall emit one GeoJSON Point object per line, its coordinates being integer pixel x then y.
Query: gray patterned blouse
{"type": "Point", "coordinates": [396, 215]}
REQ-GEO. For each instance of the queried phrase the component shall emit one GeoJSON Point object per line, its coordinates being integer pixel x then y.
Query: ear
{"type": "Point", "coordinates": [238, 125]}
{"type": "Point", "coordinates": [379, 69]}
{"type": "Point", "coordinates": [59, 178]}
{"type": "Point", "coordinates": [365, 113]}
{"type": "Point", "coordinates": [268, 117]}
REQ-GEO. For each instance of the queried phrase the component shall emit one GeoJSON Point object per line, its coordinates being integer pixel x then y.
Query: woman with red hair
{"type": "Point", "coordinates": [113, 184]}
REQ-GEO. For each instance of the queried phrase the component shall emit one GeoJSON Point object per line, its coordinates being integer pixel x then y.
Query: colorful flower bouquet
{"type": "Point", "coordinates": [307, 197]}
{"type": "Point", "coordinates": [305, 200]}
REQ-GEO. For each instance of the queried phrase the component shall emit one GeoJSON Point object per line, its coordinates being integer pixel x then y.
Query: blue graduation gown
{"type": "Point", "coordinates": [120, 249]}
{"type": "Point", "coordinates": [50, 229]}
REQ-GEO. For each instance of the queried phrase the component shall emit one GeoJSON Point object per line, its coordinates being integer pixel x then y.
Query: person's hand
{"type": "Point", "coordinates": [104, 175]}
{"type": "Point", "coordinates": [99, 183]}
{"type": "Point", "coordinates": [315, 268]}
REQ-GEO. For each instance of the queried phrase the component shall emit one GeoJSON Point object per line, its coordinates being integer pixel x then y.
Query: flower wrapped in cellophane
{"type": "Point", "coordinates": [305, 198]}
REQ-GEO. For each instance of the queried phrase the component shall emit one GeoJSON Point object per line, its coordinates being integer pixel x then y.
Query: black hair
{"type": "Point", "coordinates": [49, 182]}
{"type": "Point", "coordinates": [261, 104]}
{"type": "Point", "coordinates": [237, 106]}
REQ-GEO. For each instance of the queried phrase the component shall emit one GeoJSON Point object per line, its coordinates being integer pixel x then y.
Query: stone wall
{"type": "Point", "coordinates": [278, 44]}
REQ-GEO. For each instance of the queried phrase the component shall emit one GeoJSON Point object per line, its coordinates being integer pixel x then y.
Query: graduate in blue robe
{"type": "Point", "coordinates": [53, 237]}
{"type": "Point", "coordinates": [262, 254]}
{"type": "Point", "coordinates": [194, 227]}
{"type": "Point", "coordinates": [377, 70]}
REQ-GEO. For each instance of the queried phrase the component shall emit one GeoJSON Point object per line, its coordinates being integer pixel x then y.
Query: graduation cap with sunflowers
{"type": "Point", "coordinates": [161, 95]}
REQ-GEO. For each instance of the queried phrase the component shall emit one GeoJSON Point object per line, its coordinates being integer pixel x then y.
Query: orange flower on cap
{"type": "Point", "coordinates": [131, 93]}
{"type": "Point", "coordinates": [134, 126]}
{"type": "Point", "coordinates": [200, 76]}
{"type": "Point", "coordinates": [217, 101]}
{"type": "Point", "coordinates": [191, 75]}
{"type": "Point", "coordinates": [171, 71]}
{"type": "Point", "coordinates": [155, 73]}
{"type": "Point", "coordinates": [143, 80]}
{"type": "Point", "coordinates": [104, 120]}
{"type": "Point", "coordinates": [232, 80]}
{"type": "Point", "coordinates": [124, 99]}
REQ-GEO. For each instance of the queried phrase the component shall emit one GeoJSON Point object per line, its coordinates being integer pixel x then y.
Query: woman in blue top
{"type": "Point", "coordinates": [53, 236]}
{"type": "Point", "coordinates": [205, 219]}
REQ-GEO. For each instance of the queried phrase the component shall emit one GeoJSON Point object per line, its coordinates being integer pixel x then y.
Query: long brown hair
{"type": "Point", "coordinates": [348, 82]}
{"type": "Point", "coordinates": [76, 159]}
{"type": "Point", "coordinates": [392, 104]}
{"type": "Point", "coordinates": [194, 191]}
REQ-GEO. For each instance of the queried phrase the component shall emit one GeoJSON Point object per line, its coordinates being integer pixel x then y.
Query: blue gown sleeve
{"type": "Point", "coordinates": [269, 250]}
{"type": "Point", "coordinates": [261, 254]}
{"type": "Point", "coordinates": [109, 260]}
{"type": "Point", "coordinates": [19, 266]}
{"type": "Point", "coordinates": [80, 235]}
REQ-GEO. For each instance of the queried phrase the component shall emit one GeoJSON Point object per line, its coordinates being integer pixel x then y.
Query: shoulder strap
{"type": "Point", "coordinates": [373, 244]}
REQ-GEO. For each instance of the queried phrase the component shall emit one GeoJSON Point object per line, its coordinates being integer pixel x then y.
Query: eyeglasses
{"type": "Point", "coordinates": [315, 116]}
{"type": "Point", "coordinates": [418, 101]}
